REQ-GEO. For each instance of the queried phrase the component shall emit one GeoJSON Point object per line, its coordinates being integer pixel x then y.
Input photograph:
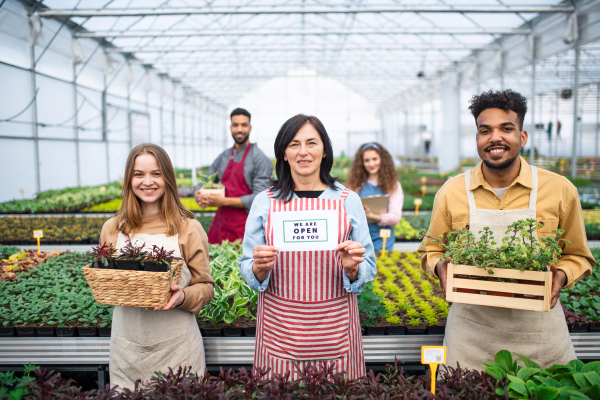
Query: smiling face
{"type": "Point", "coordinates": [305, 153]}
{"type": "Point", "coordinates": [240, 129]}
{"type": "Point", "coordinates": [499, 138]}
{"type": "Point", "coordinates": [371, 162]}
{"type": "Point", "coordinates": [147, 182]}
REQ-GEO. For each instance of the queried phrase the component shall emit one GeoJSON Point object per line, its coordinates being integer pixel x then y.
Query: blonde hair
{"type": "Point", "coordinates": [129, 216]}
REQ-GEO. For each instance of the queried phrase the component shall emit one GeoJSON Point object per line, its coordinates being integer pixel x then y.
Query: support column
{"type": "Point", "coordinates": [575, 112]}
{"type": "Point", "coordinates": [34, 121]}
{"type": "Point", "coordinates": [449, 155]}
{"type": "Point", "coordinates": [76, 123]}
{"type": "Point", "coordinates": [597, 117]}
{"type": "Point", "coordinates": [532, 133]}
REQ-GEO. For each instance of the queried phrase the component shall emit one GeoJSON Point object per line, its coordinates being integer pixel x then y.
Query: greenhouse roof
{"type": "Point", "coordinates": [381, 50]}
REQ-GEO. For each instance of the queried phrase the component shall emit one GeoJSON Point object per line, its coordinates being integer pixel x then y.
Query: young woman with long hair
{"type": "Point", "coordinates": [373, 174]}
{"type": "Point", "coordinates": [143, 340]}
{"type": "Point", "coordinates": [307, 307]}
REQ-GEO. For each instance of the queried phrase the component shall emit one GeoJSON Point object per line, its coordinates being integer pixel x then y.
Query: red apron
{"type": "Point", "coordinates": [305, 314]}
{"type": "Point", "coordinates": [229, 222]}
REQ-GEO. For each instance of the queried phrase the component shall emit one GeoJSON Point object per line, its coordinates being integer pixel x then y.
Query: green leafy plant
{"type": "Point", "coordinates": [520, 249]}
{"type": "Point", "coordinates": [371, 304]}
{"type": "Point", "coordinates": [7, 251]}
{"type": "Point", "coordinates": [208, 180]}
{"type": "Point", "coordinates": [575, 380]}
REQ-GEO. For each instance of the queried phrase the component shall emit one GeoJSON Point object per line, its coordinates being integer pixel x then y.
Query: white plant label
{"type": "Point", "coordinates": [305, 230]}
{"type": "Point", "coordinates": [433, 355]}
{"type": "Point", "coordinates": [38, 234]}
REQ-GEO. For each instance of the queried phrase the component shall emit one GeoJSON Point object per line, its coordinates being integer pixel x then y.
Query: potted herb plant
{"type": "Point", "coordinates": [158, 260]}
{"type": "Point", "coordinates": [104, 256]}
{"type": "Point", "coordinates": [521, 258]}
{"type": "Point", "coordinates": [210, 187]}
{"type": "Point", "coordinates": [130, 256]}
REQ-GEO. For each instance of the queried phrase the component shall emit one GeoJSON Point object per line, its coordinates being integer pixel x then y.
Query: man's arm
{"type": "Point", "coordinates": [263, 169]}
{"type": "Point", "coordinates": [576, 260]}
{"type": "Point", "coordinates": [431, 252]}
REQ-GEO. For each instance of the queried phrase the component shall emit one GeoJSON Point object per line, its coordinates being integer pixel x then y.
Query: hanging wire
{"type": "Point", "coordinates": [23, 110]}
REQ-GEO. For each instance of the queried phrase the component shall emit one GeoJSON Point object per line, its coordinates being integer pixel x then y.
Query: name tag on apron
{"type": "Point", "coordinates": [305, 230]}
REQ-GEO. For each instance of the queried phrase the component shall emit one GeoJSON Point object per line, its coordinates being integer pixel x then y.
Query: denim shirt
{"type": "Point", "coordinates": [359, 232]}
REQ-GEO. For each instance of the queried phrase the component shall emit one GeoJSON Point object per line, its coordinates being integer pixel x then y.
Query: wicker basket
{"type": "Point", "coordinates": [132, 288]}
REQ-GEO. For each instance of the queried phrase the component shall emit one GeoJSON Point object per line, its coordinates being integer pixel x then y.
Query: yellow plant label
{"type": "Point", "coordinates": [38, 234]}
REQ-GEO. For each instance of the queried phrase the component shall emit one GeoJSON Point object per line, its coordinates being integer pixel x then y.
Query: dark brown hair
{"type": "Point", "coordinates": [505, 100]}
{"type": "Point", "coordinates": [387, 176]}
{"type": "Point", "coordinates": [129, 216]}
{"type": "Point", "coordinates": [284, 183]}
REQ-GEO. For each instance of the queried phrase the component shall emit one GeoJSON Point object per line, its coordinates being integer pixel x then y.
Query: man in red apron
{"type": "Point", "coordinates": [244, 170]}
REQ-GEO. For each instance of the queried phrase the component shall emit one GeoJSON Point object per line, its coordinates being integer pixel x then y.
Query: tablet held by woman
{"type": "Point", "coordinates": [146, 340]}
{"type": "Point", "coordinates": [307, 250]}
{"type": "Point", "coordinates": [373, 174]}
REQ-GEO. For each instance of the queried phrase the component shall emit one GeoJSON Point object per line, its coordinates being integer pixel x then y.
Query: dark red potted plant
{"type": "Point", "coordinates": [130, 256]}
{"type": "Point", "coordinates": [104, 256]}
{"type": "Point", "coordinates": [158, 260]}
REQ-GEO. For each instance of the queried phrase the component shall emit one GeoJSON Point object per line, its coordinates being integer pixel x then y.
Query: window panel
{"type": "Point", "coordinates": [15, 95]}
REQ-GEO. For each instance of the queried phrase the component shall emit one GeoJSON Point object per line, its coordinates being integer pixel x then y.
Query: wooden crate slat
{"type": "Point", "coordinates": [454, 282]}
{"type": "Point", "coordinates": [501, 273]}
{"type": "Point", "coordinates": [497, 301]}
{"type": "Point", "coordinates": [499, 286]}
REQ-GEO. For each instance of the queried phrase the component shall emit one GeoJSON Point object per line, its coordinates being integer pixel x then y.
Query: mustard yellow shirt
{"type": "Point", "coordinates": [557, 207]}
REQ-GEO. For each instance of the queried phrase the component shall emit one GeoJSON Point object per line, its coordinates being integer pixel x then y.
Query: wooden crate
{"type": "Point", "coordinates": [453, 282]}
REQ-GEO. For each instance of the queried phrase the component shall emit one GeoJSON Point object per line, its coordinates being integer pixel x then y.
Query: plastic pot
{"type": "Point", "coordinates": [416, 330]}
{"type": "Point", "coordinates": [375, 330]}
{"type": "Point", "coordinates": [578, 327]}
{"type": "Point", "coordinates": [25, 332]}
{"type": "Point", "coordinates": [45, 331]}
{"type": "Point", "coordinates": [211, 332]}
{"type": "Point", "coordinates": [396, 330]}
{"type": "Point", "coordinates": [110, 262]}
{"type": "Point", "coordinates": [232, 332]}
{"type": "Point", "coordinates": [436, 329]}
{"type": "Point", "coordinates": [88, 331]}
{"type": "Point", "coordinates": [7, 332]}
{"type": "Point", "coordinates": [250, 331]}
{"type": "Point", "coordinates": [104, 332]}
{"type": "Point", "coordinates": [151, 266]}
{"type": "Point", "coordinates": [594, 326]}
{"type": "Point", "coordinates": [128, 265]}
{"type": "Point", "coordinates": [65, 332]}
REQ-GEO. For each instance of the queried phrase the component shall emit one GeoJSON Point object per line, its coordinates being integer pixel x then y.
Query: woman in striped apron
{"type": "Point", "coordinates": [308, 251]}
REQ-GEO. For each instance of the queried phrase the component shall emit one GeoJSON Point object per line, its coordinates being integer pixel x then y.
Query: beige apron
{"type": "Point", "coordinates": [144, 341]}
{"type": "Point", "coordinates": [475, 334]}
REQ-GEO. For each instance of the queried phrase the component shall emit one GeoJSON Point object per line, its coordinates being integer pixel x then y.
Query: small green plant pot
{"type": "Point", "coordinates": [25, 331]}
{"type": "Point", "coordinates": [232, 332]}
{"type": "Point", "coordinates": [436, 329]}
{"type": "Point", "coordinates": [375, 330]}
{"type": "Point", "coordinates": [396, 330]}
{"type": "Point", "coordinates": [45, 331]}
{"type": "Point", "coordinates": [65, 332]}
{"type": "Point", "coordinates": [7, 332]}
{"type": "Point", "coordinates": [250, 331]}
{"type": "Point", "coordinates": [207, 332]}
{"type": "Point", "coordinates": [578, 327]}
{"type": "Point", "coordinates": [87, 331]}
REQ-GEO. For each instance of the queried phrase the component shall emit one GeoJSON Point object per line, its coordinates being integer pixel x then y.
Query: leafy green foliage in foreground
{"type": "Point", "coordinates": [575, 380]}
{"type": "Point", "coordinates": [7, 251]}
{"type": "Point", "coordinates": [233, 297]}
{"type": "Point", "coordinates": [54, 294]}
{"type": "Point", "coordinates": [371, 305]}
{"type": "Point", "coordinates": [13, 387]}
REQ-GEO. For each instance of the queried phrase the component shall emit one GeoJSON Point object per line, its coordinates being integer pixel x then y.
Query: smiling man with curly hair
{"type": "Point", "coordinates": [501, 189]}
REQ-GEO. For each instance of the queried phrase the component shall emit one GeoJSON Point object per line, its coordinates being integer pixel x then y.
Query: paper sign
{"type": "Point", "coordinates": [433, 354]}
{"type": "Point", "coordinates": [305, 230]}
{"type": "Point", "coordinates": [38, 234]}
{"type": "Point", "coordinates": [418, 202]}
{"type": "Point", "coordinates": [385, 233]}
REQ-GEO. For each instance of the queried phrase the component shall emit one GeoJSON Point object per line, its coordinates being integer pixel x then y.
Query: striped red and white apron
{"type": "Point", "coordinates": [305, 314]}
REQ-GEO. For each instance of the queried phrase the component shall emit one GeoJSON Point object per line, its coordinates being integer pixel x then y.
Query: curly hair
{"type": "Point", "coordinates": [387, 175]}
{"type": "Point", "coordinates": [505, 100]}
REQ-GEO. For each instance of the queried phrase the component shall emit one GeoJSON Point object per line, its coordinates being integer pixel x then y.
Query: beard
{"type": "Point", "coordinates": [502, 165]}
{"type": "Point", "coordinates": [241, 140]}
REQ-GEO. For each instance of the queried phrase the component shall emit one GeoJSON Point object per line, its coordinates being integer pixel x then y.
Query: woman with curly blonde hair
{"type": "Point", "coordinates": [373, 174]}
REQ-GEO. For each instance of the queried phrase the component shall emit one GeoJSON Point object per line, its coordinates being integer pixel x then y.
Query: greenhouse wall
{"type": "Point", "coordinates": [70, 118]}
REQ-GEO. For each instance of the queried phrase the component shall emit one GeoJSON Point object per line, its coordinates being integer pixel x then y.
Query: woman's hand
{"type": "Point", "coordinates": [371, 215]}
{"type": "Point", "coordinates": [351, 255]}
{"type": "Point", "coordinates": [264, 260]}
{"type": "Point", "coordinates": [176, 299]}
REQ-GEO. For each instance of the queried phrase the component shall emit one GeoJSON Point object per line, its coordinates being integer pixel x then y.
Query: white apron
{"type": "Point", "coordinates": [475, 334]}
{"type": "Point", "coordinates": [144, 341]}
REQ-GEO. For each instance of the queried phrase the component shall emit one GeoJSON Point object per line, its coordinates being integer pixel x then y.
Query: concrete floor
{"type": "Point", "coordinates": [402, 246]}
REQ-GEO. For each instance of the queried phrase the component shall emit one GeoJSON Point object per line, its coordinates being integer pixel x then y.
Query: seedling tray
{"type": "Point", "coordinates": [132, 288]}
{"type": "Point", "coordinates": [453, 283]}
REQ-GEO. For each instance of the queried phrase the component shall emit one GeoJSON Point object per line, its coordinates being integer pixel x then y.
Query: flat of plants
{"type": "Point", "coordinates": [503, 378]}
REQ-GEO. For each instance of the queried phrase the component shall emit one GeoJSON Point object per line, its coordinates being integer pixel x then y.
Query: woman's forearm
{"type": "Point", "coordinates": [260, 275]}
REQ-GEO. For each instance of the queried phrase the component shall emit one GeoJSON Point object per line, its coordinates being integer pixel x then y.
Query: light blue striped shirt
{"type": "Point", "coordinates": [359, 232]}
